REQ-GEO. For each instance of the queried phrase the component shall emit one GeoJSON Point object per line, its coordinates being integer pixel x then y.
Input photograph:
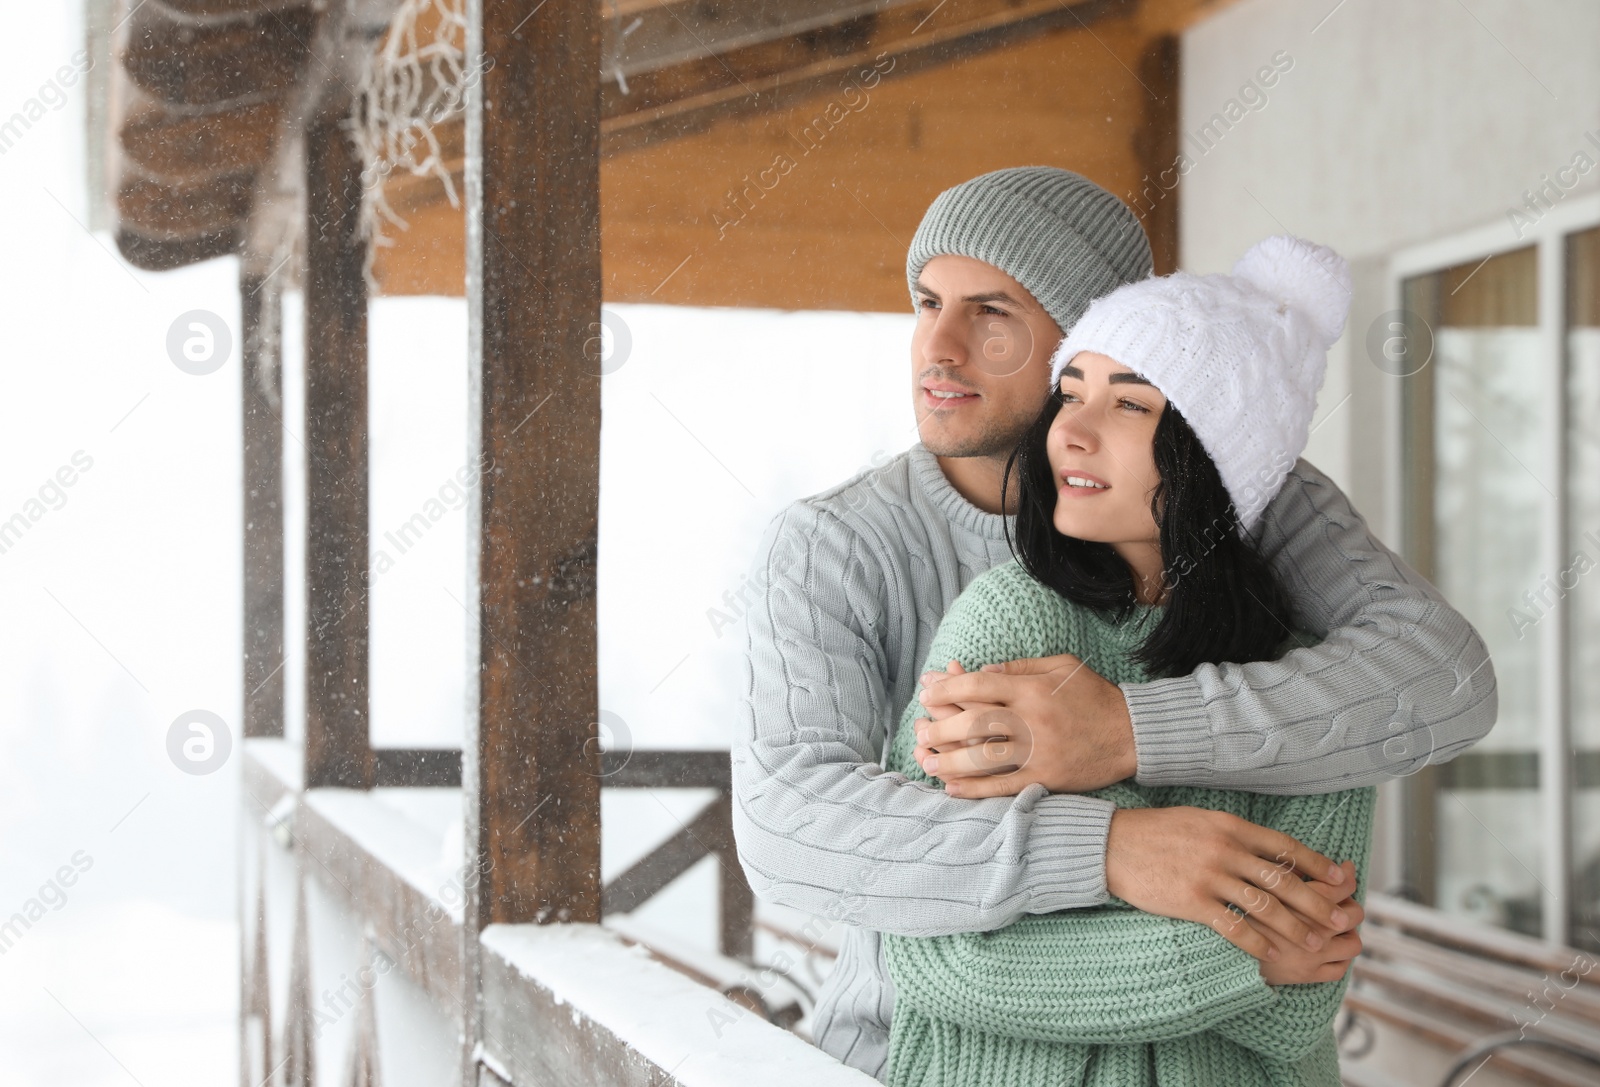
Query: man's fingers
{"type": "Point", "coordinates": [1301, 898]}
{"type": "Point", "coordinates": [1289, 853]}
{"type": "Point", "coordinates": [1270, 911]}
{"type": "Point", "coordinates": [1238, 932]}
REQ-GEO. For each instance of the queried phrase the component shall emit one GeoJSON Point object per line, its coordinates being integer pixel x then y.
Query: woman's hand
{"type": "Point", "coordinates": [1191, 863]}
{"type": "Point", "coordinates": [1297, 966]}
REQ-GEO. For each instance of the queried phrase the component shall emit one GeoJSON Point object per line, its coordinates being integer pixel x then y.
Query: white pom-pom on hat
{"type": "Point", "coordinates": [1303, 275]}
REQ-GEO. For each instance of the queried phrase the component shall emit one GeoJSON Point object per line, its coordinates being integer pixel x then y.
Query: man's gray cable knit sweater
{"type": "Point", "coordinates": [856, 580]}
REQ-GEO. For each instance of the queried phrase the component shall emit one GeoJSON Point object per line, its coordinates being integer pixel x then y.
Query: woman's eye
{"type": "Point", "coordinates": [1132, 406]}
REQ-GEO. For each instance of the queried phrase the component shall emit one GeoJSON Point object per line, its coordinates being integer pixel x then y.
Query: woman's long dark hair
{"type": "Point", "coordinates": [1223, 602]}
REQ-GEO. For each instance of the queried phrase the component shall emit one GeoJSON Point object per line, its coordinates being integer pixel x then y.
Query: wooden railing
{"type": "Point", "coordinates": [540, 1000]}
{"type": "Point", "coordinates": [1475, 991]}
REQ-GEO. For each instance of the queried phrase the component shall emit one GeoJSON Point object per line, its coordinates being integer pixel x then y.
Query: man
{"type": "Point", "coordinates": [858, 577]}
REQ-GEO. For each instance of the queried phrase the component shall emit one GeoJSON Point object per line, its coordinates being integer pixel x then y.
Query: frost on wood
{"type": "Point", "coordinates": [416, 81]}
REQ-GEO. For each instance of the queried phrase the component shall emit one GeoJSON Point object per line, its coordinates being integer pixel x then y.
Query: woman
{"type": "Point", "coordinates": [1178, 406]}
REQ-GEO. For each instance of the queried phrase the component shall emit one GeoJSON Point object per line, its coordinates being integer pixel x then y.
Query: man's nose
{"type": "Point", "coordinates": [947, 343]}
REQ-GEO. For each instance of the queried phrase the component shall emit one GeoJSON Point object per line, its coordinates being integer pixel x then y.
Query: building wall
{"type": "Point", "coordinates": [1396, 123]}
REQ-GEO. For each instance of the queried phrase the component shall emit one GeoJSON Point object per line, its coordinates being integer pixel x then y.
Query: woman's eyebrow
{"type": "Point", "coordinates": [1119, 378]}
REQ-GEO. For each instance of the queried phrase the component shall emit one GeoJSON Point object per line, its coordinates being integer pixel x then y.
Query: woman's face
{"type": "Point", "coordinates": [1101, 453]}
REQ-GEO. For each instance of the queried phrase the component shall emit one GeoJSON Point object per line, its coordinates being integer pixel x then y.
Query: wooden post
{"type": "Point", "coordinates": [337, 752]}
{"type": "Point", "coordinates": [261, 389]}
{"type": "Point", "coordinates": [531, 760]}
{"type": "Point", "coordinates": [1157, 146]}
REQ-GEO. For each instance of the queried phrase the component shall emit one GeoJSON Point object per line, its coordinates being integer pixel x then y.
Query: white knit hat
{"type": "Point", "coordinates": [1241, 356]}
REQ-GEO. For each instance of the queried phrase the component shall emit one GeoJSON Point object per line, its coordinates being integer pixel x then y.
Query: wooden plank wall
{"type": "Point", "coordinates": [814, 204]}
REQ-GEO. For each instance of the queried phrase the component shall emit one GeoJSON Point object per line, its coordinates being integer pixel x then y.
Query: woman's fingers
{"type": "Point", "coordinates": [962, 726]}
{"type": "Point", "coordinates": [975, 759]}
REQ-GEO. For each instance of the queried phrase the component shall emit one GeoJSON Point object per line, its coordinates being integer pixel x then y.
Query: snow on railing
{"type": "Point", "coordinates": [575, 1003]}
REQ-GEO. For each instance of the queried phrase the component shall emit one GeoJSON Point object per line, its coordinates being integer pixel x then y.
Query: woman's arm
{"type": "Point", "coordinates": [1113, 976]}
{"type": "Point", "coordinates": [1301, 1014]}
{"type": "Point", "coordinates": [1102, 976]}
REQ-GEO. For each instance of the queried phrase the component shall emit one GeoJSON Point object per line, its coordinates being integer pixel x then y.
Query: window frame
{"type": "Point", "coordinates": [1549, 235]}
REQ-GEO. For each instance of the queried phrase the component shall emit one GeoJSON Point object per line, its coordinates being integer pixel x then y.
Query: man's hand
{"type": "Point", "coordinates": [1192, 863]}
{"type": "Point", "coordinates": [1050, 720]}
{"type": "Point", "coordinates": [1297, 966]}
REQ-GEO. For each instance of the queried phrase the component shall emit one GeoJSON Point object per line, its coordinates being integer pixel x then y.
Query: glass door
{"type": "Point", "coordinates": [1473, 500]}
{"type": "Point", "coordinates": [1579, 578]}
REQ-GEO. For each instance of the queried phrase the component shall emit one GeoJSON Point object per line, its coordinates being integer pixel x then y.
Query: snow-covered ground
{"type": "Point", "coordinates": [121, 598]}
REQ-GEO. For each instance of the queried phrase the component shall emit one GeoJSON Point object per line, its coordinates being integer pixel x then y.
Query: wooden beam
{"type": "Point", "coordinates": [194, 61]}
{"type": "Point", "coordinates": [849, 56]}
{"type": "Point", "coordinates": [157, 253]}
{"type": "Point", "coordinates": [640, 36]}
{"type": "Point", "coordinates": [648, 876]}
{"type": "Point", "coordinates": [336, 745]}
{"type": "Point", "coordinates": [1155, 200]}
{"type": "Point", "coordinates": [261, 318]}
{"type": "Point", "coordinates": [665, 770]}
{"type": "Point", "coordinates": [858, 51]}
{"type": "Point", "coordinates": [175, 145]}
{"type": "Point", "coordinates": [531, 760]}
{"type": "Point", "coordinates": [413, 768]}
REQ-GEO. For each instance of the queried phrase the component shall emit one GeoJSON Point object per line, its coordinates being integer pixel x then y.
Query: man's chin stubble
{"type": "Point", "coordinates": [994, 441]}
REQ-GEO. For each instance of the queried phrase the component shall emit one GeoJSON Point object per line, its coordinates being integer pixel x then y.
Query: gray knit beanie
{"type": "Point", "coordinates": [1057, 233]}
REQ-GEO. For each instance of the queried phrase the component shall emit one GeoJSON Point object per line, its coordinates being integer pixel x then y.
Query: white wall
{"type": "Point", "coordinates": [1395, 124]}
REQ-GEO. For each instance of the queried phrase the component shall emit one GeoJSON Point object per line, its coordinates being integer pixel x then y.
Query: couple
{"type": "Point", "coordinates": [1073, 711]}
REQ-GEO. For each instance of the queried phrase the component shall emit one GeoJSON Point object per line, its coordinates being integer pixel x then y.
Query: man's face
{"type": "Point", "coordinates": [983, 338]}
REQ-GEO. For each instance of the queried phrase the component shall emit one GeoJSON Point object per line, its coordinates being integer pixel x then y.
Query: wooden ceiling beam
{"type": "Point", "coordinates": [894, 40]}
{"type": "Point", "coordinates": [198, 62]}
{"type": "Point", "coordinates": [914, 37]}
{"type": "Point", "coordinates": [648, 35]}
{"type": "Point", "coordinates": [186, 145]}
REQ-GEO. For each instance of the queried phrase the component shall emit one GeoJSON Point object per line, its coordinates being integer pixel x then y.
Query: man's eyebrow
{"type": "Point", "coordinates": [979, 299]}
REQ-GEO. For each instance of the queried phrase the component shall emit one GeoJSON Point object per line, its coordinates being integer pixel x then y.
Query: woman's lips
{"type": "Point", "coordinates": [1075, 484]}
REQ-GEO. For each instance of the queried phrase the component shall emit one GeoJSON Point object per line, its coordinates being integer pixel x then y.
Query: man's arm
{"type": "Point", "coordinates": [820, 826]}
{"type": "Point", "coordinates": [1399, 680]}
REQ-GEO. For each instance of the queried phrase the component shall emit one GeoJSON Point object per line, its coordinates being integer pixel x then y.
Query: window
{"type": "Point", "coordinates": [1500, 508]}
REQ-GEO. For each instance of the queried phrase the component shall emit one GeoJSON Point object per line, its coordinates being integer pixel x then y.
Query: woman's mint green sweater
{"type": "Point", "coordinates": [1109, 996]}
